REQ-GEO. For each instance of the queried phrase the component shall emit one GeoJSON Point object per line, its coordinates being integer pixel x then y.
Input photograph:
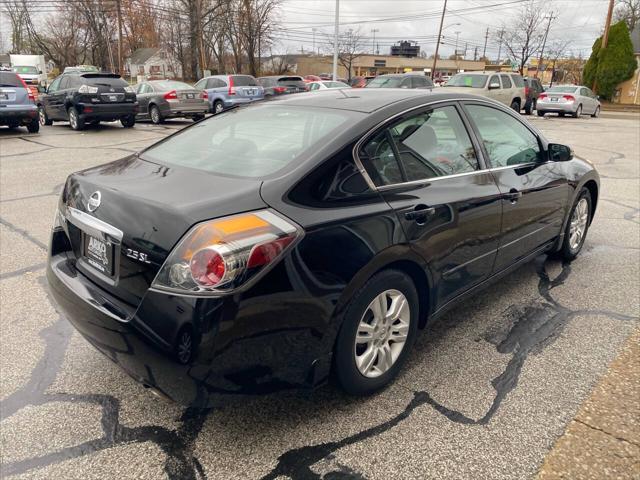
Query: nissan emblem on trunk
{"type": "Point", "coordinates": [94, 201]}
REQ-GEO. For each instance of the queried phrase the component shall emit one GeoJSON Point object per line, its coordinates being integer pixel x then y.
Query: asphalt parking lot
{"type": "Point", "coordinates": [485, 394]}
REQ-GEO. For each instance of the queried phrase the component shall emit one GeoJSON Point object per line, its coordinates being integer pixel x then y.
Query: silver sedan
{"type": "Point", "coordinates": [574, 100]}
{"type": "Point", "coordinates": [160, 99]}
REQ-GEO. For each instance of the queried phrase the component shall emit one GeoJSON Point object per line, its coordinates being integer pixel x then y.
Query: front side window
{"type": "Point", "coordinates": [253, 142]}
{"type": "Point", "coordinates": [430, 144]}
{"type": "Point", "coordinates": [54, 85]}
{"type": "Point", "coordinates": [506, 140]}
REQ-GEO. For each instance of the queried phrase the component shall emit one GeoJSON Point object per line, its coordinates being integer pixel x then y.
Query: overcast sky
{"type": "Point", "coordinates": [580, 21]}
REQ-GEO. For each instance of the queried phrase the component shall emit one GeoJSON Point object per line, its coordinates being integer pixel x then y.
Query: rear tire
{"type": "Point", "coordinates": [155, 115]}
{"type": "Point", "coordinates": [596, 113]}
{"type": "Point", "coordinates": [129, 121]}
{"type": "Point", "coordinates": [541, 113]}
{"type": "Point", "coordinates": [42, 115]}
{"type": "Point", "coordinates": [578, 112]}
{"type": "Point", "coordinates": [577, 227]}
{"type": "Point", "coordinates": [33, 126]}
{"type": "Point", "coordinates": [383, 316]}
{"type": "Point", "coordinates": [528, 107]}
{"type": "Point", "coordinates": [197, 118]}
{"type": "Point", "coordinates": [218, 107]}
{"type": "Point", "coordinates": [75, 121]}
{"type": "Point", "coordinates": [516, 105]}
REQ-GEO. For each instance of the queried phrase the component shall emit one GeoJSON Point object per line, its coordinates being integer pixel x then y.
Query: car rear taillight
{"type": "Point", "coordinates": [172, 95]}
{"type": "Point", "coordinates": [223, 255]}
{"type": "Point", "coordinates": [232, 90]}
{"type": "Point", "coordinates": [569, 98]}
{"type": "Point", "coordinates": [526, 91]}
{"type": "Point", "coordinates": [204, 95]}
{"type": "Point", "coordinates": [30, 93]}
{"type": "Point", "coordinates": [542, 96]}
{"type": "Point", "coordinates": [279, 89]}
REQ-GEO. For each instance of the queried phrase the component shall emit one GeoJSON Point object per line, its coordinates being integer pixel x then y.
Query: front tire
{"type": "Point", "coordinates": [576, 230]}
{"type": "Point", "coordinates": [156, 116]}
{"type": "Point", "coordinates": [377, 333]}
{"type": "Point", "coordinates": [74, 119]}
{"type": "Point", "coordinates": [541, 113]}
{"type": "Point", "coordinates": [42, 115]}
{"type": "Point", "coordinates": [596, 113]}
{"type": "Point", "coordinates": [197, 118]}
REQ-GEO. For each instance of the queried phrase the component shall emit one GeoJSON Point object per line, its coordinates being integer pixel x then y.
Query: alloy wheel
{"type": "Point", "coordinates": [218, 107]}
{"type": "Point", "coordinates": [382, 333]}
{"type": "Point", "coordinates": [578, 225]}
{"type": "Point", "coordinates": [155, 115]}
{"type": "Point", "coordinates": [73, 119]}
{"type": "Point", "coordinates": [184, 347]}
{"type": "Point", "coordinates": [41, 116]}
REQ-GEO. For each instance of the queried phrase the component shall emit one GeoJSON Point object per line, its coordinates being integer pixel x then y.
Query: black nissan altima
{"type": "Point", "coordinates": [276, 245]}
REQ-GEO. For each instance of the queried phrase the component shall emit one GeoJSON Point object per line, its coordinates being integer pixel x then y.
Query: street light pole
{"type": "Point", "coordinates": [335, 42]}
{"type": "Point", "coordinates": [435, 56]}
{"type": "Point", "coordinates": [374, 40]}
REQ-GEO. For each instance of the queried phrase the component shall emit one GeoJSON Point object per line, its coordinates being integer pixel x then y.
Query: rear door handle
{"type": "Point", "coordinates": [513, 195]}
{"type": "Point", "coordinates": [419, 212]}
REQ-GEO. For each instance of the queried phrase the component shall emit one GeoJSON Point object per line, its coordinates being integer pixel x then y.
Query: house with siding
{"type": "Point", "coordinates": [152, 63]}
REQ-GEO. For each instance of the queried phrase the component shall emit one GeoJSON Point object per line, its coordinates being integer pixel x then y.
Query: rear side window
{"type": "Point", "coordinates": [506, 140]}
{"type": "Point", "coordinates": [506, 82]}
{"type": "Point", "coordinates": [518, 81]}
{"type": "Point", "coordinates": [244, 81]}
{"type": "Point", "coordinates": [9, 79]}
{"type": "Point", "coordinates": [430, 144]}
{"type": "Point", "coordinates": [253, 142]}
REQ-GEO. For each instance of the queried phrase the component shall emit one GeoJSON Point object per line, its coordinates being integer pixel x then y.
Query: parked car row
{"type": "Point", "coordinates": [82, 96]}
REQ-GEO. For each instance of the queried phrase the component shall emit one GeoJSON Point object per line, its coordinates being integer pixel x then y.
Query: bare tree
{"type": "Point", "coordinates": [523, 38]}
{"type": "Point", "coordinates": [17, 11]}
{"type": "Point", "coordinates": [351, 46]}
{"type": "Point", "coordinates": [629, 11]}
{"type": "Point", "coordinates": [555, 51]}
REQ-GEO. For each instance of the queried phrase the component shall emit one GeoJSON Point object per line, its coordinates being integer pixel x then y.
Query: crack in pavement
{"type": "Point", "coordinates": [23, 233]}
{"type": "Point", "coordinates": [17, 273]}
{"type": "Point", "coordinates": [609, 434]}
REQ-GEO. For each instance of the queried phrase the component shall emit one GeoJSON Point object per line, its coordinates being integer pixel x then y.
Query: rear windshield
{"type": "Point", "coordinates": [10, 79]}
{"type": "Point", "coordinates": [250, 142]}
{"type": "Point", "coordinates": [385, 82]}
{"type": "Point", "coordinates": [27, 70]}
{"type": "Point", "coordinates": [561, 89]}
{"type": "Point", "coordinates": [166, 85]}
{"type": "Point", "coordinates": [244, 81]}
{"type": "Point", "coordinates": [291, 81]}
{"type": "Point", "coordinates": [471, 81]}
{"type": "Point", "coordinates": [103, 81]}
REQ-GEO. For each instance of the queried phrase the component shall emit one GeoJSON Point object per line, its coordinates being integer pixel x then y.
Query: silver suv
{"type": "Point", "coordinates": [507, 88]}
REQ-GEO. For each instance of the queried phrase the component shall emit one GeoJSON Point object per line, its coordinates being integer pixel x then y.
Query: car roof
{"type": "Point", "coordinates": [365, 100]}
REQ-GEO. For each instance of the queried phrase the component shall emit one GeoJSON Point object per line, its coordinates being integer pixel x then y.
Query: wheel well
{"type": "Point", "coordinates": [517, 99]}
{"type": "Point", "coordinates": [419, 278]}
{"type": "Point", "coordinates": [593, 191]}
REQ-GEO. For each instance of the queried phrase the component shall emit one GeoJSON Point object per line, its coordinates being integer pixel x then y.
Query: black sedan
{"type": "Point", "coordinates": [274, 245]}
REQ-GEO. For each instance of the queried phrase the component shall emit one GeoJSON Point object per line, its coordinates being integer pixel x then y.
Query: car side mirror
{"type": "Point", "coordinates": [494, 86]}
{"type": "Point", "coordinates": [559, 152]}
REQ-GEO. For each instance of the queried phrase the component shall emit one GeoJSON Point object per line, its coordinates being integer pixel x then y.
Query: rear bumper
{"type": "Point", "coordinates": [185, 109]}
{"type": "Point", "coordinates": [556, 107]}
{"type": "Point", "coordinates": [18, 114]}
{"type": "Point", "coordinates": [239, 101]}
{"type": "Point", "coordinates": [89, 111]}
{"type": "Point", "coordinates": [240, 349]}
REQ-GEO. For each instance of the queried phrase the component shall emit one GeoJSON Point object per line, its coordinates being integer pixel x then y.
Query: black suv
{"type": "Point", "coordinates": [88, 97]}
{"type": "Point", "coordinates": [532, 89]}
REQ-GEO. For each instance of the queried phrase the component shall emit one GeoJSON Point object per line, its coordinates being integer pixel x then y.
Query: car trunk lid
{"type": "Point", "coordinates": [152, 206]}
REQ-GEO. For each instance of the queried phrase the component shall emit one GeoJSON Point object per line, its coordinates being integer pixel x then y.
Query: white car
{"type": "Point", "coordinates": [574, 100]}
{"type": "Point", "coordinates": [326, 85]}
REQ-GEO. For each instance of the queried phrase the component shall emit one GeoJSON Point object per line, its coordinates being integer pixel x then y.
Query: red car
{"type": "Point", "coordinates": [360, 82]}
{"type": "Point", "coordinates": [311, 78]}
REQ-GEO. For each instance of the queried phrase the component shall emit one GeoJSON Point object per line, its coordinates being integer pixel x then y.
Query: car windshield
{"type": "Point", "coordinates": [10, 79]}
{"type": "Point", "coordinates": [166, 85]}
{"type": "Point", "coordinates": [471, 81]}
{"type": "Point", "coordinates": [385, 82]}
{"type": "Point", "coordinates": [27, 70]}
{"type": "Point", "coordinates": [250, 142]}
{"type": "Point", "coordinates": [569, 89]}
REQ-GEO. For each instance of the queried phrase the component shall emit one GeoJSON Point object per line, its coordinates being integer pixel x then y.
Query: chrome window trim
{"type": "Point", "coordinates": [373, 130]}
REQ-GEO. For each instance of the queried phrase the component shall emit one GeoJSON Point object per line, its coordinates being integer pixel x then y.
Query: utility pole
{"type": "Point", "coordinates": [455, 53]}
{"type": "Point", "coordinates": [544, 42]}
{"type": "Point", "coordinates": [475, 54]}
{"type": "Point", "coordinates": [335, 42]}
{"type": "Point", "coordinates": [435, 56]}
{"type": "Point", "coordinates": [119, 11]}
{"type": "Point", "coordinates": [314, 29]}
{"type": "Point", "coordinates": [486, 37]}
{"type": "Point", "coordinates": [500, 45]}
{"type": "Point", "coordinates": [466, 45]}
{"type": "Point", "coordinates": [374, 40]}
{"type": "Point", "coordinates": [605, 38]}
